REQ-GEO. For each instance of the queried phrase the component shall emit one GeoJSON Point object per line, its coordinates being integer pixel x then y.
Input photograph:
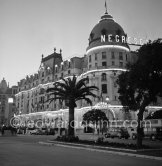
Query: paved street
{"type": "Point", "coordinates": [25, 151]}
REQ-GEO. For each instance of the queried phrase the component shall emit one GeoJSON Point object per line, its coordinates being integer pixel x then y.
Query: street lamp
{"type": "Point", "coordinates": [108, 104]}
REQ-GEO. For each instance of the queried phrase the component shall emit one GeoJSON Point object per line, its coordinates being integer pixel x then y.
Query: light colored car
{"type": "Point", "coordinates": [34, 132]}
{"type": "Point", "coordinates": [117, 132]}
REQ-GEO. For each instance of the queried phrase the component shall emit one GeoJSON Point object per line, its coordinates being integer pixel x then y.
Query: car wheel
{"type": "Point", "coordinates": [153, 138]}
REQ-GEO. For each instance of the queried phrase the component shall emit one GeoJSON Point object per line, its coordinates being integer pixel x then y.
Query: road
{"type": "Point", "coordinates": [25, 151]}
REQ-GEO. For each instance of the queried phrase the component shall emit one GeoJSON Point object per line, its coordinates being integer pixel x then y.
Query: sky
{"type": "Point", "coordinates": [30, 28]}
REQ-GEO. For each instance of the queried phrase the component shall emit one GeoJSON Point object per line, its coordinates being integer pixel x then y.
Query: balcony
{"type": "Point", "coordinates": [105, 67]}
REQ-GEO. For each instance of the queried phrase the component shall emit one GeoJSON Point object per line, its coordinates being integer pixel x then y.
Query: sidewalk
{"type": "Point", "coordinates": [116, 151]}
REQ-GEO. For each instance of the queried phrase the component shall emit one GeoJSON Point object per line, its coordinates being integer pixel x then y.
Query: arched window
{"type": "Point", "coordinates": [103, 77]}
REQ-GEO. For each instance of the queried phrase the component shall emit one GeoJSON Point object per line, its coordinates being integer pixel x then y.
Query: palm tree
{"type": "Point", "coordinates": [71, 90]}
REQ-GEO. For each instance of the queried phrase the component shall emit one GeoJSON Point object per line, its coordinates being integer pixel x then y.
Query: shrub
{"type": "Point", "coordinates": [66, 138]}
{"type": "Point", "coordinates": [100, 140]}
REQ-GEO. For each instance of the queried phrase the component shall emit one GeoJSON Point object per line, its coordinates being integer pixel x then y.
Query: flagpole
{"type": "Point", "coordinates": [106, 7]}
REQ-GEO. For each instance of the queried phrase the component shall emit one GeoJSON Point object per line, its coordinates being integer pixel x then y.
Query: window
{"type": "Point", "coordinates": [90, 66]}
{"type": "Point", "coordinates": [69, 64]}
{"type": "Point", "coordinates": [104, 88]}
{"type": "Point", "coordinates": [95, 64]}
{"type": "Point", "coordinates": [96, 57]}
{"type": "Point", "coordinates": [120, 56]}
{"type": "Point", "coordinates": [104, 64]}
{"type": "Point", "coordinates": [68, 71]}
{"type": "Point", "coordinates": [62, 75]}
{"type": "Point", "coordinates": [113, 63]}
{"type": "Point", "coordinates": [103, 55]}
{"type": "Point", "coordinates": [90, 58]}
{"type": "Point", "coordinates": [87, 79]}
{"type": "Point", "coordinates": [120, 64]}
{"type": "Point", "coordinates": [112, 55]}
{"type": "Point", "coordinates": [56, 69]}
{"type": "Point", "coordinates": [115, 84]}
{"type": "Point", "coordinates": [126, 57]}
{"type": "Point", "coordinates": [42, 74]}
{"type": "Point", "coordinates": [103, 77]}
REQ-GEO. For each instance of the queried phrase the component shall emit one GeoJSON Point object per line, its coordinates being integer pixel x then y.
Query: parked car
{"type": "Point", "coordinates": [37, 132]}
{"type": "Point", "coordinates": [117, 132]}
{"type": "Point", "coordinates": [153, 133]}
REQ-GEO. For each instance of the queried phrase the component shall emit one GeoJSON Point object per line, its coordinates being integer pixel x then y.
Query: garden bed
{"type": "Point", "coordinates": [100, 142]}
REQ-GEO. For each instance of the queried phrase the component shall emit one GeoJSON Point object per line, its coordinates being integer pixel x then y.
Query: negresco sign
{"type": "Point", "coordinates": [123, 39]}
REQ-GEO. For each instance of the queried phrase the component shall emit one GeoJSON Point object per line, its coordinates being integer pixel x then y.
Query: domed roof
{"type": "Point", "coordinates": [109, 29]}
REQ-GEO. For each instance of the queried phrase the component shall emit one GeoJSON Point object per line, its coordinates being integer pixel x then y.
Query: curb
{"type": "Point", "coordinates": [100, 150]}
{"type": "Point", "coordinates": [92, 146]}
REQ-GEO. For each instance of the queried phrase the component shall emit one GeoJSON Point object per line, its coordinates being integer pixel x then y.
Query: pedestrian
{"type": "Point", "coordinates": [3, 128]}
{"type": "Point", "coordinates": [98, 131]}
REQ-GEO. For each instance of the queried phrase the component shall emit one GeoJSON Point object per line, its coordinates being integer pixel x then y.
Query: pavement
{"type": "Point", "coordinates": [25, 151]}
{"type": "Point", "coordinates": [48, 141]}
{"type": "Point", "coordinates": [153, 153]}
{"type": "Point", "coordinates": [110, 150]}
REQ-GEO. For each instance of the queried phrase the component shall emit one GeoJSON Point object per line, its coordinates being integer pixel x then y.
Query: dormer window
{"type": "Point", "coordinates": [103, 31]}
{"type": "Point", "coordinates": [91, 36]}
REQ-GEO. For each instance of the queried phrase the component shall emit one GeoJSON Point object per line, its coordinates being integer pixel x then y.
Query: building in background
{"type": "Point", "coordinates": [7, 102]}
{"type": "Point", "coordinates": [106, 57]}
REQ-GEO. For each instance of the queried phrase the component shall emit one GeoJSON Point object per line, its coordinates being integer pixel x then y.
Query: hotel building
{"type": "Point", "coordinates": [106, 57]}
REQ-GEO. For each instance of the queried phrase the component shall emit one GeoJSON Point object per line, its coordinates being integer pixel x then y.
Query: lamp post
{"type": "Point", "coordinates": [108, 104]}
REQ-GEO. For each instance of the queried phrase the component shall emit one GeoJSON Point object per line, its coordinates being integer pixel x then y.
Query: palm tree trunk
{"type": "Point", "coordinates": [71, 122]}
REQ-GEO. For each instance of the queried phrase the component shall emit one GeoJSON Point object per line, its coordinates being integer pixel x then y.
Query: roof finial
{"type": "Point", "coordinates": [106, 7]}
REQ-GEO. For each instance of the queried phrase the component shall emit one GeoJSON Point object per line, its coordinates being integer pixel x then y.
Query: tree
{"type": "Point", "coordinates": [141, 84]}
{"type": "Point", "coordinates": [94, 116]}
{"type": "Point", "coordinates": [71, 90]}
